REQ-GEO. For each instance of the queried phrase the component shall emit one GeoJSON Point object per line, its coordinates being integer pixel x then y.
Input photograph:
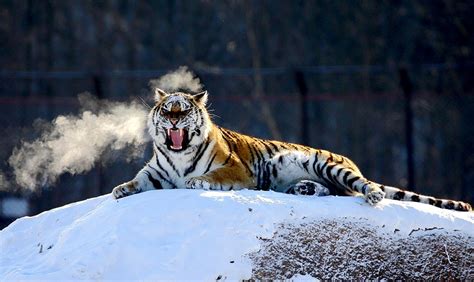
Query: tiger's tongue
{"type": "Point", "coordinates": [177, 137]}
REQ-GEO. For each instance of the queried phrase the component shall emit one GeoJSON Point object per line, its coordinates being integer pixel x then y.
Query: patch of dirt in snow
{"type": "Point", "coordinates": [356, 250]}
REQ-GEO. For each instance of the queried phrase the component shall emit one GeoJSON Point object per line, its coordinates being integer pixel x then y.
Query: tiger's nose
{"type": "Point", "coordinates": [174, 121]}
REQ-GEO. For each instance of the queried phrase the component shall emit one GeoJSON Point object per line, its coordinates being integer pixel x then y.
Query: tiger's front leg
{"type": "Point", "coordinates": [225, 179]}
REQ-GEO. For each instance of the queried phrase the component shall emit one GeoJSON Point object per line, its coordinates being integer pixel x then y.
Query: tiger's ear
{"type": "Point", "coordinates": [160, 94]}
{"type": "Point", "coordinates": [201, 97]}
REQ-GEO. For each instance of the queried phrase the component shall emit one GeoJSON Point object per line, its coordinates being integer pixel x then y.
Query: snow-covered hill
{"type": "Point", "coordinates": [189, 234]}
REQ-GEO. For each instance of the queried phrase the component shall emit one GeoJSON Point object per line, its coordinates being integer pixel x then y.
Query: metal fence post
{"type": "Point", "coordinates": [303, 90]}
{"type": "Point", "coordinates": [407, 87]}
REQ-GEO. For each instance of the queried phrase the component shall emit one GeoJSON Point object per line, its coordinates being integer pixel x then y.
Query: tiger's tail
{"type": "Point", "coordinates": [403, 195]}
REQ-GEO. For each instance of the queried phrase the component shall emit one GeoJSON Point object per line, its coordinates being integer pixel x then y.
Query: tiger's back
{"type": "Point", "coordinates": [274, 164]}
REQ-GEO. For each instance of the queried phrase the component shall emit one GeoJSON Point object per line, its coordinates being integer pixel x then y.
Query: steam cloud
{"type": "Point", "coordinates": [4, 184]}
{"type": "Point", "coordinates": [182, 78]}
{"type": "Point", "coordinates": [75, 143]}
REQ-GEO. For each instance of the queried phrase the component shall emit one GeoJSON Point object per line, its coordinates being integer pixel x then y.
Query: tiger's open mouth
{"type": "Point", "coordinates": [177, 139]}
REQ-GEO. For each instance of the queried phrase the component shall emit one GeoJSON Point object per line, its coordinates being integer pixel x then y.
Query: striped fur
{"type": "Point", "coordinates": [190, 151]}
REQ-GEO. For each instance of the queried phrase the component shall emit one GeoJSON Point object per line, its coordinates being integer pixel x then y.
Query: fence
{"type": "Point", "coordinates": [408, 126]}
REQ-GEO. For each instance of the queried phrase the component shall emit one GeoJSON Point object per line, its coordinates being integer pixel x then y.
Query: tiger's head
{"type": "Point", "coordinates": [179, 121]}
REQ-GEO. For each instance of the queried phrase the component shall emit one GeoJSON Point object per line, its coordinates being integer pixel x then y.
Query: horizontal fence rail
{"type": "Point", "coordinates": [371, 69]}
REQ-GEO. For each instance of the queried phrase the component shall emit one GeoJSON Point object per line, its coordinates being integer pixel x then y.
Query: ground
{"type": "Point", "coordinates": [189, 234]}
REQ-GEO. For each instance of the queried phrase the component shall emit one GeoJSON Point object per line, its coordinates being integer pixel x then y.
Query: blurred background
{"type": "Point", "coordinates": [387, 83]}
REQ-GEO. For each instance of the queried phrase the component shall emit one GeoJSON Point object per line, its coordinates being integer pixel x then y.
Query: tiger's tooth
{"type": "Point", "coordinates": [181, 132]}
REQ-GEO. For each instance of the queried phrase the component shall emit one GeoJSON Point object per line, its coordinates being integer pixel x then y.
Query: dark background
{"type": "Point", "coordinates": [386, 83]}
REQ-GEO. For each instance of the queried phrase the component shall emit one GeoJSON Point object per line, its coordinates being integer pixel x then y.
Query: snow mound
{"type": "Point", "coordinates": [189, 234]}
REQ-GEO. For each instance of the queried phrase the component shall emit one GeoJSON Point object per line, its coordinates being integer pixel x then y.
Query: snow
{"type": "Point", "coordinates": [192, 234]}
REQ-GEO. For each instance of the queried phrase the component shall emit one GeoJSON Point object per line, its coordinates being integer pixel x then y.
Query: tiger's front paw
{"type": "Point", "coordinates": [125, 189]}
{"type": "Point", "coordinates": [198, 183]}
{"type": "Point", "coordinates": [374, 195]}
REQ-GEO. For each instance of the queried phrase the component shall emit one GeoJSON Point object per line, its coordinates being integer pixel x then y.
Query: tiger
{"type": "Point", "coordinates": [190, 151]}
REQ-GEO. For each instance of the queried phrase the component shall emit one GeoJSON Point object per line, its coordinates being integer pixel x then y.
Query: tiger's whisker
{"type": "Point", "coordinates": [144, 102]}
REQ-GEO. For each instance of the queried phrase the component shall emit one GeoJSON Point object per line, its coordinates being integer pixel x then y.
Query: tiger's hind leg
{"type": "Point", "coordinates": [285, 171]}
{"type": "Point", "coordinates": [308, 188]}
{"type": "Point", "coordinates": [335, 171]}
